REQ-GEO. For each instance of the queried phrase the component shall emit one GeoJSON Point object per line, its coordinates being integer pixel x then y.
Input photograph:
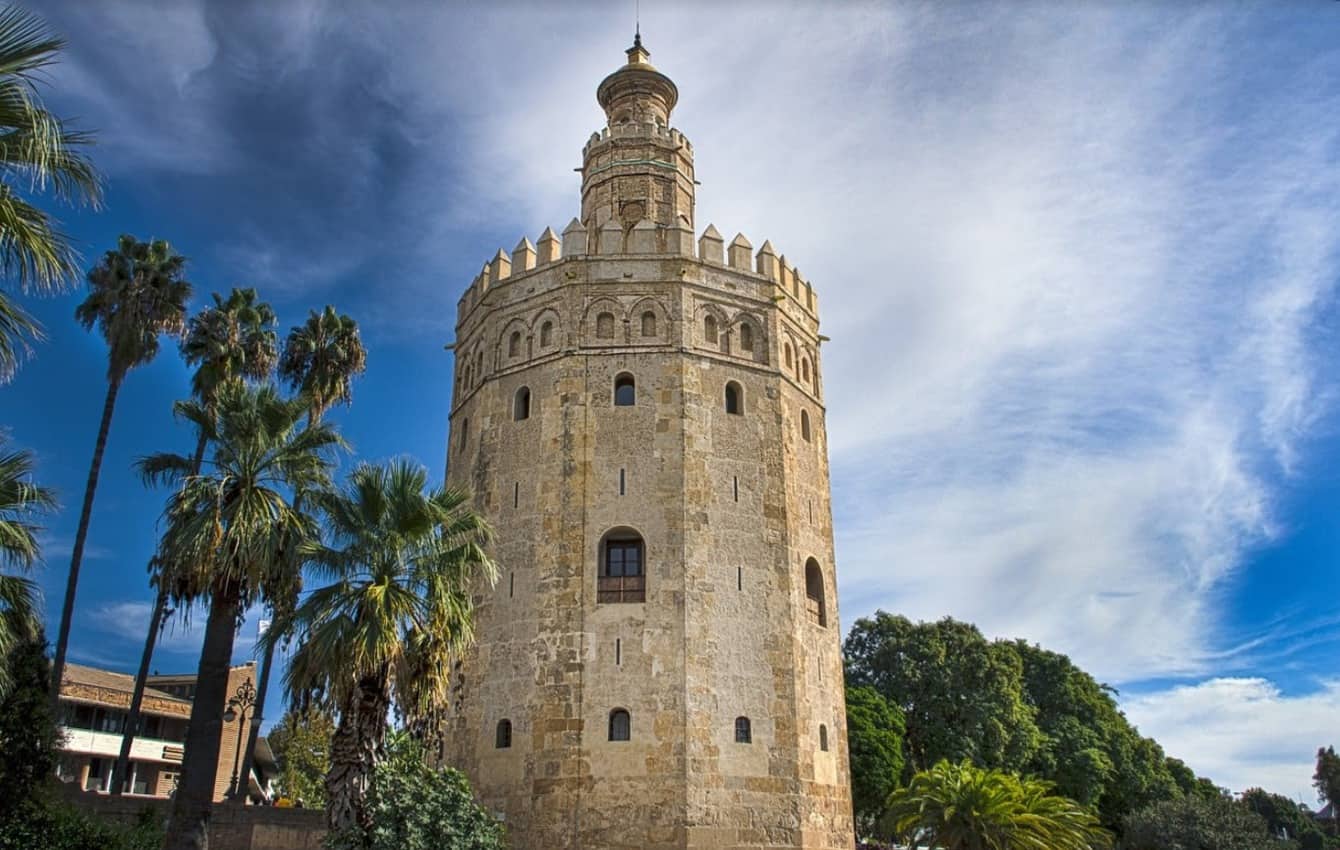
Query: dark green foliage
{"type": "Point", "coordinates": [28, 733]}
{"type": "Point", "coordinates": [875, 743]}
{"type": "Point", "coordinates": [1286, 818]}
{"type": "Point", "coordinates": [1012, 706]}
{"type": "Point", "coordinates": [1198, 823]}
{"type": "Point", "coordinates": [416, 807]}
{"type": "Point", "coordinates": [962, 697]}
{"type": "Point", "coordinates": [1327, 778]}
{"type": "Point", "coordinates": [64, 827]}
{"type": "Point", "coordinates": [301, 743]}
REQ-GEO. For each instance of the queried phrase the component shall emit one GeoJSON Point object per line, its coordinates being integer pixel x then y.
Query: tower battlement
{"type": "Point", "coordinates": [648, 130]}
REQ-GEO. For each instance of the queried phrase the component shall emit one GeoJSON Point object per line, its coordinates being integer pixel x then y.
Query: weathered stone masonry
{"type": "Point", "coordinates": [730, 508]}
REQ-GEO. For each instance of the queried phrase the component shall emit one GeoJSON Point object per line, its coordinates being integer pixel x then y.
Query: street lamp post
{"type": "Point", "coordinates": [242, 701]}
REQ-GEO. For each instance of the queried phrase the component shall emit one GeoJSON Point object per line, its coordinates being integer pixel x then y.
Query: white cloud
{"type": "Point", "coordinates": [1243, 732]}
{"type": "Point", "coordinates": [178, 646]}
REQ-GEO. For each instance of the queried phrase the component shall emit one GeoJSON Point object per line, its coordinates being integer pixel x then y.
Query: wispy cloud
{"type": "Point", "coordinates": [125, 622]}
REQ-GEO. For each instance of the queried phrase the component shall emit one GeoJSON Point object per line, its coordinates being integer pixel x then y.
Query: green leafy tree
{"type": "Point", "coordinates": [1197, 823]}
{"type": "Point", "coordinates": [1326, 779]}
{"type": "Point", "coordinates": [301, 744]}
{"type": "Point", "coordinates": [29, 738]}
{"type": "Point", "coordinates": [961, 696]}
{"type": "Point", "coordinates": [875, 745]}
{"type": "Point", "coordinates": [963, 807]}
{"type": "Point", "coordinates": [136, 295]}
{"type": "Point", "coordinates": [227, 342]}
{"type": "Point", "coordinates": [226, 529]}
{"type": "Point", "coordinates": [396, 612]}
{"type": "Point", "coordinates": [1286, 819]}
{"type": "Point", "coordinates": [21, 503]}
{"type": "Point", "coordinates": [414, 807]}
{"type": "Point", "coordinates": [40, 153]}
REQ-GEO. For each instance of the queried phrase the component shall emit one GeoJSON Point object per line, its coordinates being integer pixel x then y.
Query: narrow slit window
{"type": "Point", "coordinates": [823, 737]}
{"type": "Point", "coordinates": [620, 725]}
{"type": "Point", "coordinates": [465, 433]}
{"type": "Point", "coordinates": [710, 330]}
{"type": "Point", "coordinates": [805, 425]}
{"type": "Point", "coordinates": [804, 370]}
{"type": "Point", "coordinates": [479, 366]}
{"type": "Point", "coordinates": [743, 733]}
{"type": "Point", "coordinates": [514, 344]}
{"type": "Point", "coordinates": [625, 391]}
{"type": "Point", "coordinates": [546, 334]}
{"type": "Point", "coordinates": [622, 487]}
{"type": "Point", "coordinates": [786, 355]}
{"type": "Point", "coordinates": [739, 578]}
{"type": "Point", "coordinates": [746, 338]}
{"type": "Point", "coordinates": [516, 493]}
{"type": "Point", "coordinates": [502, 737]}
{"type": "Point", "coordinates": [618, 651]}
{"type": "Point", "coordinates": [734, 398]}
{"type": "Point", "coordinates": [735, 483]}
{"type": "Point", "coordinates": [649, 323]}
{"type": "Point", "coordinates": [521, 404]}
{"type": "Point", "coordinates": [511, 585]}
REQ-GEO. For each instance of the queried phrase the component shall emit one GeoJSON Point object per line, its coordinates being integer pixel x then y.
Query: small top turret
{"type": "Point", "coordinates": [637, 93]}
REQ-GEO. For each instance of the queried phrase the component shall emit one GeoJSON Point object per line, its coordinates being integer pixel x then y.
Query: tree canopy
{"type": "Point", "coordinates": [875, 747]}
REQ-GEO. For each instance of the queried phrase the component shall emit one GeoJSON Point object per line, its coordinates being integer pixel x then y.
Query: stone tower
{"type": "Point", "coordinates": [640, 417]}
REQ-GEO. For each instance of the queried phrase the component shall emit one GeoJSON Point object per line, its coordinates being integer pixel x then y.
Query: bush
{"type": "Point", "coordinates": [1199, 823]}
{"type": "Point", "coordinates": [416, 807]}
{"type": "Point", "coordinates": [60, 826]}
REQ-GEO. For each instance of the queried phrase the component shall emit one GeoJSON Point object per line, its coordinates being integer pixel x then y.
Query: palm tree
{"type": "Point", "coordinates": [962, 807]}
{"type": "Point", "coordinates": [321, 359]}
{"type": "Point", "coordinates": [226, 530]}
{"type": "Point", "coordinates": [43, 153]}
{"type": "Point", "coordinates": [402, 563]}
{"type": "Point", "coordinates": [20, 502]}
{"type": "Point", "coordinates": [137, 295]}
{"type": "Point", "coordinates": [227, 342]}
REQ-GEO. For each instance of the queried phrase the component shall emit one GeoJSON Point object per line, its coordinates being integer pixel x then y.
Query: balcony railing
{"type": "Point", "coordinates": [621, 589]}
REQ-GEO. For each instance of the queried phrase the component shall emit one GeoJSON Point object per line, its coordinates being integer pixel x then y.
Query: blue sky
{"type": "Point", "coordinates": [1092, 250]}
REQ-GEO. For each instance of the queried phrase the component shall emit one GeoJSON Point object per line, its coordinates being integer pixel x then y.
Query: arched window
{"type": "Point", "coordinates": [469, 377]}
{"type": "Point", "coordinates": [521, 404]}
{"type": "Point", "coordinates": [622, 574]}
{"type": "Point", "coordinates": [625, 390]}
{"type": "Point", "coordinates": [805, 425]}
{"type": "Point", "coordinates": [502, 738]}
{"type": "Point", "coordinates": [546, 334]}
{"type": "Point", "coordinates": [743, 734]}
{"type": "Point", "coordinates": [479, 366]}
{"type": "Point", "coordinates": [786, 355]}
{"type": "Point", "coordinates": [734, 398]}
{"type": "Point", "coordinates": [746, 338]}
{"type": "Point", "coordinates": [814, 593]}
{"type": "Point", "coordinates": [605, 326]}
{"type": "Point", "coordinates": [514, 344]}
{"type": "Point", "coordinates": [804, 370]}
{"type": "Point", "coordinates": [710, 329]}
{"type": "Point", "coordinates": [464, 435]}
{"type": "Point", "coordinates": [620, 725]}
{"type": "Point", "coordinates": [649, 323]}
{"type": "Point", "coordinates": [823, 737]}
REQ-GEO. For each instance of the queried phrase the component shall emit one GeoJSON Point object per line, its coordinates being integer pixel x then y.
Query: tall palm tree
{"type": "Point", "coordinates": [402, 563]}
{"type": "Point", "coordinates": [321, 359]}
{"type": "Point", "coordinates": [138, 293]}
{"type": "Point", "coordinates": [963, 807]}
{"type": "Point", "coordinates": [229, 341]}
{"type": "Point", "coordinates": [43, 154]}
{"type": "Point", "coordinates": [226, 529]}
{"type": "Point", "coordinates": [21, 501]}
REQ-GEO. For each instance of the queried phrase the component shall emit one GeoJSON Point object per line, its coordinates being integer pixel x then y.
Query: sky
{"type": "Point", "coordinates": [1078, 263]}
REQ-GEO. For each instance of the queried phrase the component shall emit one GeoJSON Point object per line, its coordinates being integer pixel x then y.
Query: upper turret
{"type": "Point", "coordinates": [637, 93]}
{"type": "Point", "coordinates": [637, 167]}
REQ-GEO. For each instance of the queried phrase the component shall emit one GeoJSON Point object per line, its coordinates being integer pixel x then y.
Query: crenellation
{"type": "Point", "coordinates": [549, 248]}
{"type": "Point", "coordinates": [711, 245]}
{"type": "Point", "coordinates": [609, 238]}
{"type": "Point", "coordinates": [767, 261]}
{"type": "Point", "coordinates": [741, 253]}
{"type": "Point", "coordinates": [523, 255]}
{"type": "Point", "coordinates": [643, 238]}
{"type": "Point", "coordinates": [574, 239]}
{"type": "Point", "coordinates": [500, 267]}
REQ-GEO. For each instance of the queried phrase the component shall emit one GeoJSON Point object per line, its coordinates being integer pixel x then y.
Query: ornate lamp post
{"type": "Point", "coordinates": [242, 701]}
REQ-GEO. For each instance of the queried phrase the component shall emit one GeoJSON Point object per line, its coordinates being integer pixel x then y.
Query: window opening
{"type": "Point", "coordinates": [737, 487]}
{"type": "Point", "coordinates": [804, 370]}
{"type": "Point", "coordinates": [649, 324]}
{"type": "Point", "coordinates": [502, 738]}
{"type": "Point", "coordinates": [620, 725]}
{"type": "Point", "coordinates": [710, 329]}
{"type": "Point", "coordinates": [786, 355]}
{"type": "Point", "coordinates": [521, 404]}
{"type": "Point", "coordinates": [516, 493]}
{"type": "Point", "coordinates": [605, 326]}
{"type": "Point", "coordinates": [622, 572]}
{"type": "Point", "coordinates": [546, 334]}
{"type": "Point", "coordinates": [746, 338]}
{"type": "Point", "coordinates": [739, 578]}
{"type": "Point", "coordinates": [805, 425]}
{"type": "Point", "coordinates": [743, 734]}
{"type": "Point", "coordinates": [823, 737]}
{"type": "Point", "coordinates": [514, 344]}
{"type": "Point", "coordinates": [734, 398]}
{"type": "Point", "coordinates": [511, 585]}
{"type": "Point", "coordinates": [618, 651]}
{"type": "Point", "coordinates": [465, 430]}
{"type": "Point", "coordinates": [814, 593]}
{"type": "Point", "coordinates": [621, 482]}
{"type": "Point", "coordinates": [625, 391]}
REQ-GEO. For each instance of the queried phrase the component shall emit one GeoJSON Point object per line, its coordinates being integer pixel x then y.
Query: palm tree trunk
{"type": "Point", "coordinates": [355, 749]}
{"type": "Point", "coordinates": [77, 555]}
{"type": "Point", "coordinates": [146, 658]}
{"type": "Point", "coordinates": [188, 824]}
{"type": "Point", "coordinates": [137, 697]}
